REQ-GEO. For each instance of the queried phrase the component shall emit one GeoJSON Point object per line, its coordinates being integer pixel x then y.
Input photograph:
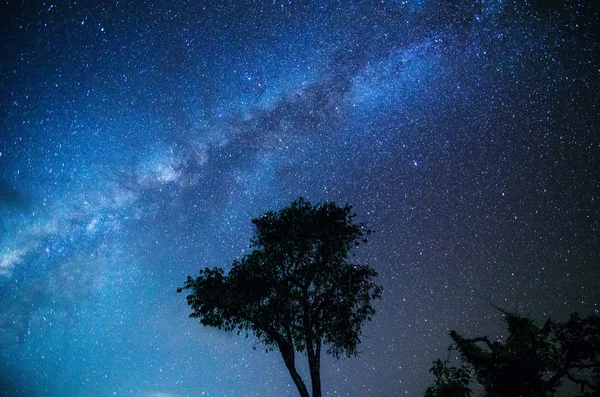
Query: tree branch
{"type": "Point", "coordinates": [483, 339]}
{"type": "Point", "coordinates": [584, 383]}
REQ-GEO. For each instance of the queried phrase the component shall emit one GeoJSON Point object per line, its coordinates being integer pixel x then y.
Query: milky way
{"type": "Point", "coordinates": [138, 140]}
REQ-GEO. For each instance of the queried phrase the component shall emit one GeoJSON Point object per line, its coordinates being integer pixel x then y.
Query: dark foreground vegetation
{"type": "Point", "coordinates": [533, 361]}
{"type": "Point", "coordinates": [297, 292]}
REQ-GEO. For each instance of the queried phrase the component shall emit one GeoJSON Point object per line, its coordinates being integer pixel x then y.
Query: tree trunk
{"type": "Point", "coordinates": [289, 360]}
{"type": "Point", "coordinates": [314, 357]}
{"type": "Point", "coordinates": [314, 364]}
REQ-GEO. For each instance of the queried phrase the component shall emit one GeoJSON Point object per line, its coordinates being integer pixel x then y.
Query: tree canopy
{"type": "Point", "coordinates": [533, 361]}
{"type": "Point", "coordinates": [295, 291]}
{"type": "Point", "coordinates": [449, 381]}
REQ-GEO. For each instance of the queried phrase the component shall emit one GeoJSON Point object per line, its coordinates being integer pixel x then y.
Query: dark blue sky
{"type": "Point", "coordinates": [138, 139]}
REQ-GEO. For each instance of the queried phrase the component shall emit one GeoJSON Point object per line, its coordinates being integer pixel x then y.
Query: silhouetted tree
{"type": "Point", "coordinates": [295, 291]}
{"type": "Point", "coordinates": [534, 361]}
{"type": "Point", "coordinates": [449, 381]}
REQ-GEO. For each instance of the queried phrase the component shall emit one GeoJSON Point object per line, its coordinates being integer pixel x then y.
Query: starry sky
{"type": "Point", "coordinates": [138, 139]}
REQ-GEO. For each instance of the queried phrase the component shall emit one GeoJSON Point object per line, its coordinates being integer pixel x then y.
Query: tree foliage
{"type": "Point", "coordinates": [534, 361]}
{"type": "Point", "coordinates": [449, 381]}
{"type": "Point", "coordinates": [296, 290]}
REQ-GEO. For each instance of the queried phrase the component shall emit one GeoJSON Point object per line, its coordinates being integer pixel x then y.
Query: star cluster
{"type": "Point", "coordinates": [138, 139]}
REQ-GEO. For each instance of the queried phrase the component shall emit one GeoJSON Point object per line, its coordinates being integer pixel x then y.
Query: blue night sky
{"type": "Point", "coordinates": [138, 139]}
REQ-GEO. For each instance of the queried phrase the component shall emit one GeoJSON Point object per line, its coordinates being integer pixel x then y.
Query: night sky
{"type": "Point", "coordinates": [138, 140]}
